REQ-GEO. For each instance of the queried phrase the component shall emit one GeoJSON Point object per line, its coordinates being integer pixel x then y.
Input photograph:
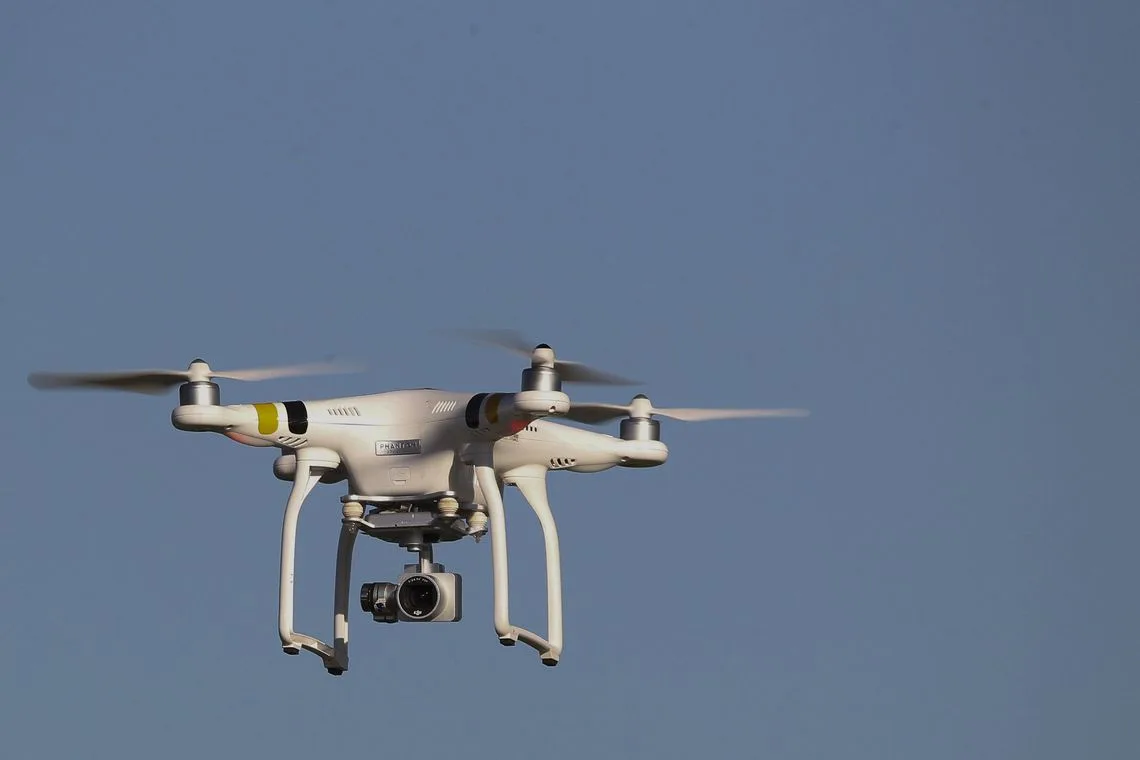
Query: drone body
{"type": "Point", "coordinates": [422, 467]}
{"type": "Point", "coordinates": [411, 442]}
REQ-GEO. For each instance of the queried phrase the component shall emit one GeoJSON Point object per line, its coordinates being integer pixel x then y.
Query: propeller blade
{"type": "Point", "coordinates": [516, 343]}
{"type": "Point", "coordinates": [290, 370]}
{"type": "Point", "coordinates": [158, 381]}
{"type": "Point", "coordinates": [509, 340]}
{"type": "Point", "coordinates": [597, 413]}
{"type": "Point", "coordinates": [150, 381]}
{"type": "Point", "coordinates": [576, 372]}
{"type": "Point", "coordinates": [704, 415]}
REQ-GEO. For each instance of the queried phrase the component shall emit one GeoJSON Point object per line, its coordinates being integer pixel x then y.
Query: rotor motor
{"type": "Point", "coordinates": [542, 374]}
{"type": "Point", "coordinates": [640, 425]}
{"type": "Point", "coordinates": [199, 393]}
{"type": "Point", "coordinates": [640, 429]}
{"type": "Point", "coordinates": [541, 379]}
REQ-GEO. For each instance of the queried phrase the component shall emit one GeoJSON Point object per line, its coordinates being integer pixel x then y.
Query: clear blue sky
{"type": "Point", "coordinates": [916, 219]}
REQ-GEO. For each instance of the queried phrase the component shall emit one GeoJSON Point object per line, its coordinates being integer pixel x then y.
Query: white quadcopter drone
{"type": "Point", "coordinates": [422, 467]}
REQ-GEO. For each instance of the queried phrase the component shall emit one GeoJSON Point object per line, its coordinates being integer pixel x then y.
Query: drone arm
{"type": "Point", "coordinates": [550, 651]}
{"type": "Point", "coordinates": [212, 418]}
{"type": "Point", "coordinates": [497, 415]}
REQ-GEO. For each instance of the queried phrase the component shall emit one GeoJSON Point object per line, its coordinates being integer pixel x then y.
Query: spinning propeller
{"type": "Point", "coordinates": [159, 381]}
{"type": "Point", "coordinates": [543, 356]}
{"type": "Point", "coordinates": [642, 408]}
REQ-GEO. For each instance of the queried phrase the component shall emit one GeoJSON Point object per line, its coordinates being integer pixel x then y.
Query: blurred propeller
{"type": "Point", "coordinates": [599, 413]}
{"type": "Point", "coordinates": [159, 381]}
{"type": "Point", "coordinates": [542, 355]}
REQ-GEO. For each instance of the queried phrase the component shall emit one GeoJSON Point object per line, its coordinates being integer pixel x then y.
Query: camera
{"type": "Point", "coordinates": [418, 596]}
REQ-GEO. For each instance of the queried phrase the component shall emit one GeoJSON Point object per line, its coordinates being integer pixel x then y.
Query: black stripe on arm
{"type": "Point", "coordinates": [472, 412]}
{"type": "Point", "coordinates": [298, 417]}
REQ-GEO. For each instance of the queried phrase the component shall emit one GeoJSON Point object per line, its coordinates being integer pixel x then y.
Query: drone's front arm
{"type": "Point", "coordinates": [495, 415]}
{"type": "Point", "coordinates": [214, 418]}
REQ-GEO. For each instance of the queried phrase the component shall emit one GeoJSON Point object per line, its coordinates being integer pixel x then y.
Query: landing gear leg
{"type": "Point", "coordinates": [551, 650]}
{"type": "Point", "coordinates": [311, 464]}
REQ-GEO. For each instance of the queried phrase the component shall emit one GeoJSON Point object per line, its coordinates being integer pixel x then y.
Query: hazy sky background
{"type": "Point", "coordinates": [917, 219]}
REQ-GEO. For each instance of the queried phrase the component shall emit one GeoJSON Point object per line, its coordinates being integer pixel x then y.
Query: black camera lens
{"type": "Point", "coordinates": [418, 596]}
{"type": "Point", "coordinates": [376, 598]}
{"type": "Point", "coordinates": [367, 594]}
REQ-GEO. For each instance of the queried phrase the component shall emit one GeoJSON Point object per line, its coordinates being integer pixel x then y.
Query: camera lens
{"type": "Point", "coordinates": [418, 596]}
{"type": "Point", "coordinates": [367, 594]}
{"type": "Point", "coordinates": [376, 598]}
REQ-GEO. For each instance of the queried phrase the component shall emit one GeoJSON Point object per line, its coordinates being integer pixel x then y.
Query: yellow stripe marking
{"type": "Point", "coordinates": [492, 407]}
{"type": "Point", "coordinates": [266, 418]}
